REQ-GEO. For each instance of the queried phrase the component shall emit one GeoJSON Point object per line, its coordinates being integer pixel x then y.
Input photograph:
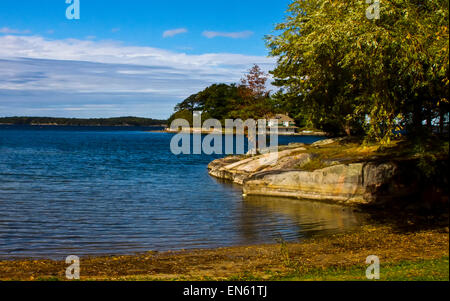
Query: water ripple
{"type": "Point", "coordinates": [86, 191]}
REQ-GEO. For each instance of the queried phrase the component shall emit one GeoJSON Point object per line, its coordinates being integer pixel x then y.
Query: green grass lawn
{"type": "Point", "coordinates": [422, 270]}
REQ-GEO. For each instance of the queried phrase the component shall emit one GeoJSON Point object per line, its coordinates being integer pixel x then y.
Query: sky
{"type": "Point", "coordinates": [126, 58]}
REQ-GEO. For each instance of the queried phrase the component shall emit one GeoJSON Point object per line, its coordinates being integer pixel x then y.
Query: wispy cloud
{"type": "Point", "coordinates": [232, 35]}
{"type": "Point", "coordinates": [7, 30]}
{"type": "Point", "coordinates": [114, 52]}
{"type": "Point", "coordinates": [114, 30]}
{"type": "Point", "coordinates": [173, 32]}
{"type": "Point", "coordinates": [40, 76]}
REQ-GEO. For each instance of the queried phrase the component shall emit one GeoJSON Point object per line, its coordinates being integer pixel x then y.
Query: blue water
{"type": "Point", "coordinates": [99, 190]}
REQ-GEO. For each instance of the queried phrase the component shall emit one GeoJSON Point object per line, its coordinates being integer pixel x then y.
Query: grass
{"type": "Point", "coordinates": [313, 164]}
{"type": "Point", "coordinates": [352, 151]}
{"type": "Point", "coordinates": [421, 270]}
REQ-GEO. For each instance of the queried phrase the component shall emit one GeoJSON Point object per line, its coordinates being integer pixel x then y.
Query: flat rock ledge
{"type": "Point", "coordinates": [280, 174]}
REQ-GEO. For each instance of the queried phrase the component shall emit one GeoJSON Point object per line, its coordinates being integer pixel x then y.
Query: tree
{"type": "Point", "coordinates": [219, 100]}
{"type": "Point", "coordinates": [182, 114]}
{"type": "Point", "coordinates": [192, 103]}
{"type": "Point", "coordinates": [253, 84]}
{"type": "Point", "coordinates": [355, 74]}
{"type": "Point", "coordinates": [216, 101]}
{"type": "Point", "coordinates": [255, 98]}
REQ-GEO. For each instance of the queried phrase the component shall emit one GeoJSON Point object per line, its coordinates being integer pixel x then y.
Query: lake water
{"type": "Point", "coordinates": [97, 190]}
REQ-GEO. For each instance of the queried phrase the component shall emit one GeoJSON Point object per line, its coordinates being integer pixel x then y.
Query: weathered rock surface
{"type": "Point", "coordinates": [281, 174]}
{"type": "Point", "coordinates": [238, 169]}
{"type": "Point", "coordinates": [351, 183]}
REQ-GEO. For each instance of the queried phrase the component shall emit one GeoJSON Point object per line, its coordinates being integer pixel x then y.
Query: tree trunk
{"type": "Point", "coordinates": [417, 117]}
{"type": "Point", "coordinates": [441, 121]}
{"type": "Point", "coordinates": [347, 128]}
{"type": "Point", "coordinates": [429, 125]}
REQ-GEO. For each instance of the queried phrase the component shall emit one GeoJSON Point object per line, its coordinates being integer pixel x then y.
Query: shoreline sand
{"type": "Point", "coordinates": [316, 257]}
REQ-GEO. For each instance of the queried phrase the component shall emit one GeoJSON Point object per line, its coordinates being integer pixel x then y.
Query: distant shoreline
{"type": "Point", "coordinates": [87, 125]}
{"type": "Point", "coordinates": [57, 124]}
{"type": "Point", "coordinates": [228, 132]}
{"type": "Point", "coordinates": [129, 121]}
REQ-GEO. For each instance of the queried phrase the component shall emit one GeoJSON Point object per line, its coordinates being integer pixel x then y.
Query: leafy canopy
{"type": "Point", "coordinates": [342, 71]}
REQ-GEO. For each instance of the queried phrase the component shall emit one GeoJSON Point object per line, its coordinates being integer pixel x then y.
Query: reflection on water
{"type": "Point", "coordinates": [89, 191]}
{"type": "Point", "coordinates": [306, 218]}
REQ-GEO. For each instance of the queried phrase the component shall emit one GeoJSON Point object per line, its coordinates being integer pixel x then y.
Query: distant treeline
{"type": "Point", "coordinates": [118, 121]}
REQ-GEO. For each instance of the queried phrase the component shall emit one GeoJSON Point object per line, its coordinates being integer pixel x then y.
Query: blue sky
{"type": "Point", "coordinates": [130, 57]}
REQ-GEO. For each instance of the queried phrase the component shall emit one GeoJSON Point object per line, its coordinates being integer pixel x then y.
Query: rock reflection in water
{"type": "Point", "coordinates": [305, 218]}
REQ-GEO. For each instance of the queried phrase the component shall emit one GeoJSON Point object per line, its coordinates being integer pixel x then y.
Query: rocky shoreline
{"type": "Point", "coordinates": [295, 172]}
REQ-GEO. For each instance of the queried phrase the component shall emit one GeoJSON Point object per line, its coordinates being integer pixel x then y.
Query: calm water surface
{"type": "Point", "coordinates": [92, 191]}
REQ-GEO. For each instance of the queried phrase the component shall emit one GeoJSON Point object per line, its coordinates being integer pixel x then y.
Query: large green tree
{"type": "Point", "coordinates": [217, 101]}
{"type": "Point", "coordinates": [352, 73]}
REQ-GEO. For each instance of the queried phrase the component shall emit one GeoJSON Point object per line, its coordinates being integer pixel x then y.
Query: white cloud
{"type": "Point", "coordinates": [7, 30]}
{"type": "Point", "coordinates": [233, 35]}
{"type": "Point", "coordinates": [173, 32]}
{"type": "Point", "coordinates": [112, 52]}
{"type": "Point", "coordinates": [114, 30]}
{"type": "Point", "coordinates": [41, 74]}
